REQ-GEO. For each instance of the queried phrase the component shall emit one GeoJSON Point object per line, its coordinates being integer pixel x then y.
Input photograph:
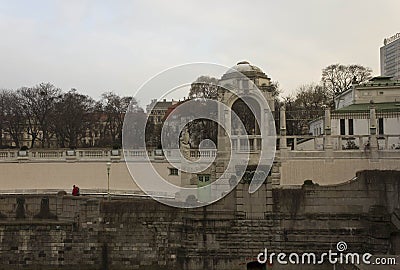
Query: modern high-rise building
{"type": "Point", "coordinates": [390, 57]}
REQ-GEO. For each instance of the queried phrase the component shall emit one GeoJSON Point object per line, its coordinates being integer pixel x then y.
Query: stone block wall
{"type": "Point", "coordinates": [65, 232]}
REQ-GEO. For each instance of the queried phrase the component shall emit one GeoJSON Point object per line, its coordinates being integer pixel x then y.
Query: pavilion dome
{"type": "Point", "coordinates": [244, 67]}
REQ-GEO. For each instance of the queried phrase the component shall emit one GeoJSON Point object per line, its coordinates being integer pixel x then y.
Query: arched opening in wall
{"type": "Point", "coordinates": [246, 136]}
{"type": "Point", "coordinates": [256, 266]}
{"type": "Point", "coordinates": [247, 109]}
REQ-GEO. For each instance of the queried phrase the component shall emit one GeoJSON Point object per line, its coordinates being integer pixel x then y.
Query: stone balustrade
{"type": "Point", "coordinates": [246, 143]}
{"type": "Point", "coordinates": [304, 143]}
{"type": "Point", "coordinates": [340, 142]}
{"type": "Point", "coordinates": [48, 155]}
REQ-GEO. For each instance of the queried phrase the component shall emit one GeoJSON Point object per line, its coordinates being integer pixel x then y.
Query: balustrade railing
{"type": "Point", "coordinates": [339, 142]}
{"type": "Point", "coordinates": [207, 153]}
{"type": "Point", "coordinates": [5, 154]}
{"type": "Point", "coordinates": [252, 144]}
{"type": "Point", "coordinates": [49, 154]}
{"type": "Point", "coordinates": [246, 143]}
{"type": "Point", "coordinates": [138, 153]}
{"type": "Point", "coordinates": [98, 154]}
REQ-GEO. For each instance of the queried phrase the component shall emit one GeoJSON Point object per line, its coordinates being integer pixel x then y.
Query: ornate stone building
{"type": "Point", "coordinates": [245, 94]}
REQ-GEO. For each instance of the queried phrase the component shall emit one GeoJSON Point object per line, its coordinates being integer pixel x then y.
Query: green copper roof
{"type": "Point", "coordinates": [386, 106]}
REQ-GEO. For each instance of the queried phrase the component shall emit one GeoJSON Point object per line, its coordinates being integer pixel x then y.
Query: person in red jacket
{"type": "Point", "coordinates": [75, 191]}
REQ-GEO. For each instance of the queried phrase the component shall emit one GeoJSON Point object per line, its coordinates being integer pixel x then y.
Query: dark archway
{"type": "Point", "coordinates": [246, 137]}
{"type": "Point", "coordinates": [247, 109]}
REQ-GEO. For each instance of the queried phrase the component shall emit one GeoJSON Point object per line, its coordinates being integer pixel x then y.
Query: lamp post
{"type": "Point", "coordinates": [108, 165]}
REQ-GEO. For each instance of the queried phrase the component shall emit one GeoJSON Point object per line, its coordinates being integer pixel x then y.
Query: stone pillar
{"type": "Point", "coordinates": [282, 124]}
{"type": "Point", "coordinates": [328, 133]}
{"type": "Point", "coordinates": [373, 140]}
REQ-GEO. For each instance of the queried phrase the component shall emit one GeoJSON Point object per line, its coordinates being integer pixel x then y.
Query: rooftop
{"type": "Point", "coordinates": [244, 66]}
{"type": "Point", "coordinates": [385, 106]}
{"type": "Point", "coordinates": [380, 81]}
{"type": "Point", "coordinates": [246, 69]}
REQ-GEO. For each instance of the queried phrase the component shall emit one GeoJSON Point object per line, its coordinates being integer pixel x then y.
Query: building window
{"type": "Point", "coordinates": [203, 178]}
{"type": "Point", "coordinates": [380, 126]}
{"type": "Point", "coordinates": [173, 171]}
{"type": "Point", "coordinates": [351, 127]}
{"type": "Point", "coordinates": [342, 127]}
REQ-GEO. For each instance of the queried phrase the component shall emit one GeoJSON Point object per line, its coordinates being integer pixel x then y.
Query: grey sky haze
{"type": "Point", "coordinates": [98, 46]}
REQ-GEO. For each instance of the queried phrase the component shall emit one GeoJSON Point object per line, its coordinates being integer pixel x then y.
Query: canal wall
{"type": "Point", "coordinates": [59, 231]}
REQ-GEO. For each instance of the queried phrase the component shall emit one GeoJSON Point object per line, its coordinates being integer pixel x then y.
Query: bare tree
{"type": "Point", "coordinates": [337, 78]}
{"type": "Point", "coordinates": [204, 87]}
{"type": "Point", "coordinates": [72, 118]}
{"type": "Point", "coordinates": [2, 114]}
{"type": "Point", "coordinates": [115, 107]}
{"type": "Point", "coordinates": [134, 132]}
{"type": "Point", "coordinates": [14, 116]}
{"type": "Point", "coordinates": [306, 105]}
{"type": "Point", "coordinates": [201, 129]}
{"type": "Point", "coordinates": [38, 103]}
{"type": "Point", "coordinates": [275, 89]}
{"type": "Point", "coordinates": [312, 96]}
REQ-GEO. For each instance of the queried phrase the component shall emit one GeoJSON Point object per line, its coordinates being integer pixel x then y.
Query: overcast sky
{"type": "Point", "coordinates": [98, 46]}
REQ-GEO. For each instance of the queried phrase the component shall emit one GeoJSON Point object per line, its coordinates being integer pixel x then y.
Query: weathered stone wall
{"type": "Point", "coordinates": [335, 169]}
{"type": "Point", "coordinates": [65, 232]}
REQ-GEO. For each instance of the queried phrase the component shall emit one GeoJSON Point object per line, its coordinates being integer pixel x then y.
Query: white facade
{"type": "Point", "coordinates": [345, 99]}
{"type": "Point", "coordinates": [351, 118]}
{"type": "Point", "coordinates": [378, 89]}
